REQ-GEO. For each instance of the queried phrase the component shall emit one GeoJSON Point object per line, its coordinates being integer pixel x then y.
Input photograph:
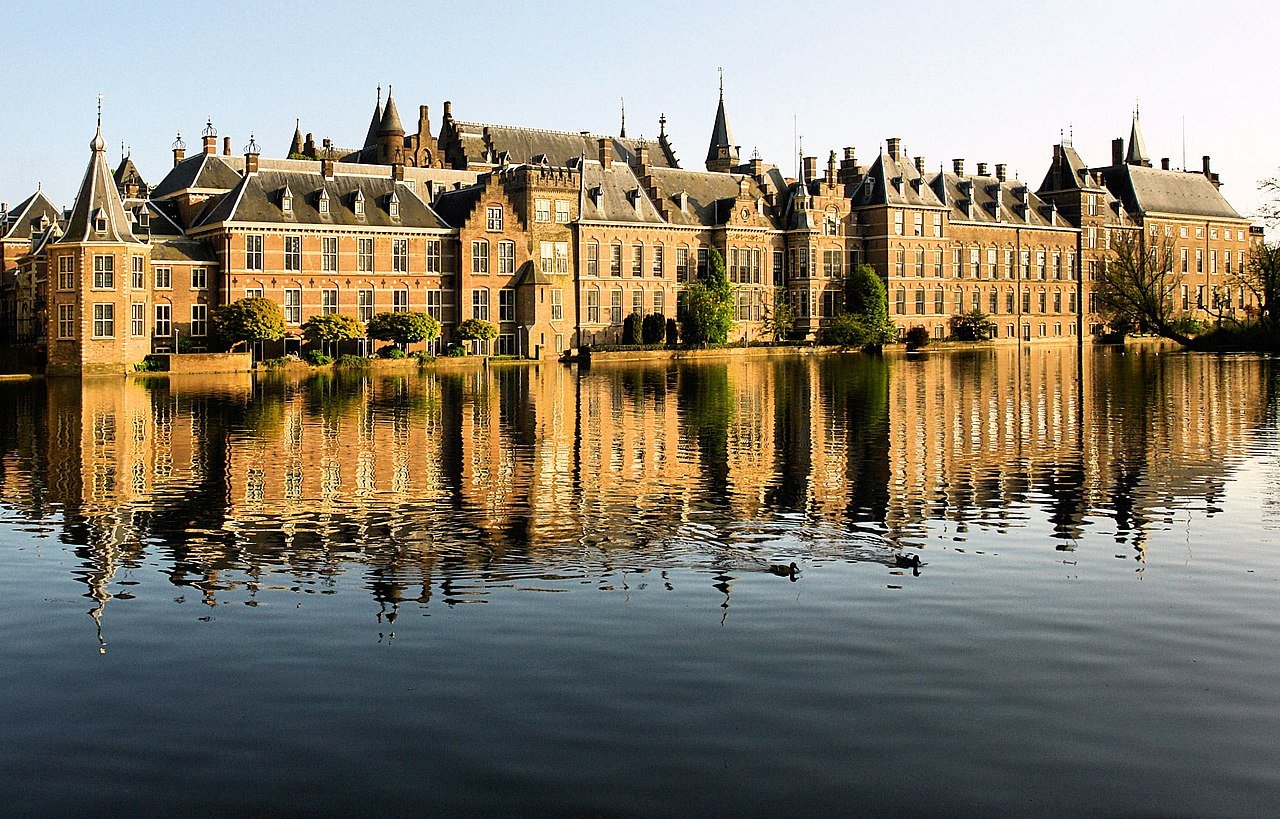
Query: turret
{"type": "Point", "coordinates": [722, 155]}
{"type": "Point", "coordinates": [390, 134]}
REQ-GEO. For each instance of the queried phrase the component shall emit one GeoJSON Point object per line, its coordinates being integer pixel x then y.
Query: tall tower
{"type": "Point", "coordinates": [722, 156]}
{"type": "Point", "coordinates": [390, 134]}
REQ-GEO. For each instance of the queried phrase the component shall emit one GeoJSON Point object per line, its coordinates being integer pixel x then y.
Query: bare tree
{"type": "Point", "coordinates": [1270, 210]}
{"type": "Point", "coordinates": [1137, 285]}
{"type": "Point", "coordinates": [1260, 276]}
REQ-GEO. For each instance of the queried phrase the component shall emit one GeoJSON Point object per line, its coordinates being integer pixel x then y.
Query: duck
{"type": "Point", "coordinates": [907, 561]}
{"type": "Point", "coordinates": [790, 571]}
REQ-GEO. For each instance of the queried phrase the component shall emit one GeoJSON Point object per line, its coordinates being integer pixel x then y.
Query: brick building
{"type": "Point", "coordinates": [556, 236]}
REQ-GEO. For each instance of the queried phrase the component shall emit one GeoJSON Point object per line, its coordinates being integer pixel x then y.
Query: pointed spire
{"type": "Point", "coordinates": [98, 204]}
{"type": "Point", "coordinates": [1137, 154]}
{"type": "Point", "coordinates": [295, 147]}
{"type": "Point", "coordinates": [622, 132]}
{"type": "Point", "coordinates": [390, 118]}
{"type": "Point", "coordinates": [98, 145]}
{"type": "Point", "coordinates": [722, 154]}
{"type": "Point", "coordinates": [371, 138]}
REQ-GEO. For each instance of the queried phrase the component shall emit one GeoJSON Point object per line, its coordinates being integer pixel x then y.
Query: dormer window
{"type": "Point", "coordinates": [393, 205]}
{"type": "Point", "coordinates": [322, 202]}
{"type": "Point", "coordinates": [357, 203]}
{"type": "Point", "coordinates": [633, 196]}
{"type": "Point", "coordinates": [682, 201]}
{"type": "Point", "coordinates": [100, 221]}
{"type": "Point", "coordinates": [597, 195]}
{"type": "Point", "coordinates": [286, 200]}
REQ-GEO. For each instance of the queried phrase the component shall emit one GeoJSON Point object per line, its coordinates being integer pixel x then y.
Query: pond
{"type": "Point", "coordinates": [550, 589]}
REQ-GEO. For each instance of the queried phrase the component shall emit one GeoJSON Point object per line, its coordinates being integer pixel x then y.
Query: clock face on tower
{"type": "Point", "coordinates": [746, 214]}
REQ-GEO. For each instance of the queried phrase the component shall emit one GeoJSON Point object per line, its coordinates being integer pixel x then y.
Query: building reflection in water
{"type": "Point", "coordinates": [440, 485]}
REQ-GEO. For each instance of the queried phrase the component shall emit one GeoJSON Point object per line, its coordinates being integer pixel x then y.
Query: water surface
{"type": "Point", "coordinates": [550, 590]}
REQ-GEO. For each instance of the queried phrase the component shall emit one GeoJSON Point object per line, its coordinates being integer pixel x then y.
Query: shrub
{"type": "Point", "coordinates": [845, 330]}
{"type": "Point", "coordinates": [150, 364]}
{"type": "Point", "coordinates": [455, 350]}
{"type": "Point", "coordinates": [708, 312]}
{"type": "Point", "coordinates": [353, 361]}
{"type": "Point", "coordinates": [633, 329]}
{"type": "Point", "coordinates": [403, 328]}
{"type": "Point", "coordinates": [972, 326]}
{"type": "Point", "coordinates": [917, 337]}
{"type": "Point", "coordinates": [424, 357]}
{"type": "Point", "coordinates": [275, 363]}
{"type": "Point", "coordinates": [391, 351]}
{"type": "Point", "coordinates": [318, 359]}
{"type": "Point", "coordinates": [673, 332]}
{"type": "Point", "coordinates": [654, 329]}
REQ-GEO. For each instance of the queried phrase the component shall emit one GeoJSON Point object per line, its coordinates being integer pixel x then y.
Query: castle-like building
{"type": "Point", "coordinates": [556, 236]}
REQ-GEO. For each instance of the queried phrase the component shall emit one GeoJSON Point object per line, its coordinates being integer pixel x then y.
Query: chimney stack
{"type": "Point", "coordinates": [957, 166]}
{"type": "Point", "coordinates": [448, 109]}
{"type": "Point", "coordinates": [1002, 172]}
{"type": "Point", "coordinates": [642, 156]}
{"type": "Point", "coordinates": [810, 164]}
{"type": "Point", "coordinates": [326, 166]}
{"type": "Point", "coordinates": [210, 138]}
{"type": "Point", "coordinates": [982, 169]}
{"type": "Point", "coordinates": [894, 147]}
{"type": "Point", "coordinates": [848, 165]}
{"type": "Point", "coordinates": [831, 168]}
{"type": "Point", "coordinates": [920, 165]}
{"type": "Point", "coordinates": [604, 148]}
{"type": "Point", "coordinates": [250, 156]}
{"type": "Point", "coordinates": [1164, 164]}
{"type": "Point", "coordinates": [179, 150]}
{"type": "Point", "coordinates": [397, 172]}
{"type": "Point", "coordinates": [226, 146]}
{"type": "Point", "coordinates": [1117, 151]}
{"type": "Point", "coordinates": [1208, 171]}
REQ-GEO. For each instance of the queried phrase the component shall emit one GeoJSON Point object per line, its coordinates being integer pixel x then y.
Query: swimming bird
{"type": "Point", "coordinates": [785, 571]}
{"type": "Point", "coordinates": [907, 561]}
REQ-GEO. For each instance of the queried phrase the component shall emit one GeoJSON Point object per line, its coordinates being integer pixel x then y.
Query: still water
{"type": "Point", "coordinates": [552, 590]}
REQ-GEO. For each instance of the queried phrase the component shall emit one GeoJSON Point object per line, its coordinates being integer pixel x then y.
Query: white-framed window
{"type": "Point", "coordinates": [364, 255]}
{"type": "Point", "coordinates": [393, 206]}
{"type": "Point", "coordinates": [104, 272]}
{"type": "Point", "coordinates": [139, 276]}
{"type": "Point", "coordinates": [493, 218]}
{"type": "Point", "coordinates": [293, 306]}
{"type": "Point", "coordinates": [104, 321]}
{"type": "Point", "coordinates": [593, 306]}
{"type": "Point", "coordinates": [358, 203]}
{"type": "Point", "coordinates": [542, 210]}
{"type": "Point", "coordinates": [253, 292]}
{"type": "Point", "coordinates": [199, 278]}
{"type": "Point", "coordinates": [364, 304]}
{"type": "Point", "coordinates": [480, 257]}
{"type": "Point", "coordinates": [400, 255]}
{"type": "Point", "coordinates": [659, 302]}
{"type": "Point", "coordinates": [164, 320]}
{"type": "Point", "coordinates": [433, 255]}
{"type": "Point", "coordinates": [293, 253]}
{"type": "Point", "coordinates": [480, 303]}
{"type": "Point", "coordinates": [507, 304]}
{"type": "Point", "coordinates": [682, 264]}
{"type": "Point", "coordinates": [138, 319]}
{"type": "Point", "coordinates": [506, 258]}
{"type": "Point", "coordinates": [199, 320]}
{"type": "Point", "coordinates": [937, 224]}
{"type": "Point", "coordinates": [657, 261]}
{"type": "Point", "coordinates": [164, 278]}
{"type": "Point", "coordinates": [615, 307]}
{"type": "Point", "coordinates": [253, 251]}
{"type": "Point", "coordinates": [434, 308]}
{"type": "Point", "coordinates": [593, 258]}
{"type": "Point", "coordinates": [400, 301]}
{"type": "Point", "coordinates": [329, 300]}
{"type": "Point", "coordinates": [67, 321]}
{"type": "Point", "coordinates": [615, 259]}
{"type": "Point", "coordinates": [899, 219]}
{"type": "Point", "coordinates": [322, 203]}
{"type": "Point", "coordinates": [557, 304]}
{"type": "Point", "coordinates": [560, 255]}
{"type": "Point", "coordinates": [637, 260]}
{"type": "Point", "coordinates": [66, 274]}
{"type": "Point", "coordinates": [329, 254]}
{"type": "Point", "coordinates": [562, 211]}
{"type": "Point", "coordinates": [637, 300]}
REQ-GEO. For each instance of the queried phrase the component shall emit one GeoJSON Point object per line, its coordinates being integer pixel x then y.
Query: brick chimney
{"type": "Point", "coordinates": [251, 152]}
{"type": "Point", "coordinates": [642, 157]}
{"type": "Point", "coordinates": [1117, 151]}
{"type": "Point", "coordinates": [920, 165]}
{"type": "Point", "coordinates": [179, 150]}
{"type": "Point", "coordinates": [1209, 174]}
{"type": "Point", "coordinates": [893, 147]}
{"type": "Point", "coordinates": [848, 168]}
{"type": "Point", "coordinates": [1002, 172]}
{"type": "Point", "coordinates": [210, 138]}
{"type": "Point", "coordinates": [397, 171]}
{"type": "Point", "coordinates": [810, 168]}
{"type": "Point", "coordinates": [957, 167]}
{"type": "Point", "coordinates": [604, 148]}
{"type": "Point", "coordinates": [982, 169]}
{"type": "Point", "coordinates": [1164, 164]}
{"type": "Point", "coordinates": [226, 146]}
{"type": "Point", "coordinates": [326, 167]}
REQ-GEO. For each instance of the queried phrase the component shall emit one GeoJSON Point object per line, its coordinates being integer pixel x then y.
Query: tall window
{"type": "Point", "coordinates": [898, 221]}
{"type": "Point", "coordinates": [542, 210]}
{"type": "Point", "coordinates": [433, 305]}
{"type": "Point", "coordinates": [293, 306]}
{"type": "Point", "coordinates": [400, 301]}
{"type": "Point", "coordinates": [139, 279]}
{"type": "Point", "coordinates": [637, 300]}
{"type": "Point", "coordinates": [199, 320]}
{"type": "Point", "coordinates": [507, 304]}
{"type": "Point", "coordinates": [659, 302]}
{"type": "Point", "coordinates": [593, 258]}
{"type": "Point", "coordinates": [704, 259]}
{"type": "Point", "coordinates": [433, 256]}
{"type": "Point", "coordinates": [364, 255]}
{"type": "Point", "coordinates": [562, 211]}
{"type": "Point", "coordinates": [480, 303]}
{"type": "Point", "coordinates": [593, 306]}
{"type": "Point", "coordinates": [493, 218]}
{"type": "Point", "coordinates": [400, 255]}
{"type": "Point", "coordinates": [657, 261]}
{"type": "Point", "coordinates": [138, 319]}
{"type": "Point", "coordinates": [546, 250]}
{"type": "Point", "coordinates": [637, 259]}
{"type": "Point", "coordinates": [561, 255]}
{"type": "Point", "coordinates": [199, 278]}
{"type": "Point", "coordinates": [104, 321]}
{"type": "Point", "coordinates": [615, 307]}
{"type": "Point", "coordinates": [67, 320]}
{"type": "Point", "coordinates": [920, 302]}
{"type": "Point", "coordinates": [733, 265]}
{"type": "Point", "coordinates": [364, 304]}
{"type": "Point", "coordinates": [329, 300]}
{"type": "Point", "coordinates": [104, 272]}
{"type": "Point", "coordinates": [66, 273]}
{"type": "Point", "coordinates": [615, 260]}
{"type": "Point", "coordinates": [293, 253]}
{"type": "Point", "coordinates": [329, 254]}
{"type": "Point", "coordinates": [480, 257]}
{"type": "Point", "coordinates": [557, 304]}
{"type": "Point", "coordinates": [682, 264]}
{"type": "Point", "coordinates": [253, 251]}
{"type": "Point", "coordinates": [779, 269]}
{"type": "Point", "coordinates": [164, 320]}
{"type": "Point", "coordinates": [164, 278]}
{"type": "Point", "coordinates": [506, 258]}
{"type": "Point", "coordinates": [917, 226]}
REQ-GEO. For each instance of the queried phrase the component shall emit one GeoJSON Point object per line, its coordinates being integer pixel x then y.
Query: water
{"type": "Point", "coordinates": [540, 590]}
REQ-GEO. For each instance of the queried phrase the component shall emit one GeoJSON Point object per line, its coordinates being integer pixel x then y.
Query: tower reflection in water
{"type": "Point", "coordinates": [437, 485]}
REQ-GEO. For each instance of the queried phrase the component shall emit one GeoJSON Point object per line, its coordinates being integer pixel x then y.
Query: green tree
{"type": "Point", "coordinates": [1261, 278]}
{"type": "Point", "coordinates": [781, 317]}
{"type": "Point", "coordinates": [331, 328]}
{"type": "Point", "coordinates": [972, 326]}
{"type": "Point", "coordinates": [708, 312]}
{"type": "Point", "coordinates": [476, 330]}
{"type": "Point", "coordinates": [633, 329]}
{"type": "Point", "coordinates": [248, 321]}
{"type": "Point", "coordinates": [865, 299]}
{"type": "Point", "coordinates": [653, 329]}
{"type": "Point", "coordinates": [845, 330]}
{"type": "Point", "coordinates": [403, 329]}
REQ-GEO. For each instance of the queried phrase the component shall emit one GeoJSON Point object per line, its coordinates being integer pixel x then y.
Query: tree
{"type": "Point", "coordinates": [633, 329]}
{"type": "Point", "coordinates": [248, 321]}
{"type": "Point", "coordinates": [866, 299]}
{"type": "Point", "coordinates": [1270, 210]}
{"type": "Point", "coordinates": [845, 330]}
{"type": "Point", "coordinates": [655, 327]}
{"type": "Point", "coordinates": [1260, 276]}
{"type": "Point", "coordinates": [1137, 284]}
{"type": "Point", "coordinates": [403, 329]}
{"type": "Point", "coordinates": [972, 326]}
{"type": "Point", "coordinates": [476, 330]}
{"type": "Point", "coordinates": [708, 312]}
{"type": "Point", "coordinates": [917, 337]}
{"type": "Point", "coordinates": [331, 328]}
{"type": "Point", "coordinates": [780, 319]}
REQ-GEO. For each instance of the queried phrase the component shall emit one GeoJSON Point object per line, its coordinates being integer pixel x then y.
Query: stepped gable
{"type": "Point", "coordinates": [23, 221]}
{"type": "Point", "coordinates": [98, 200]}
{"type": "Point", "coordinates": [456, 206]}
{"type": "Point", "coordinates": [1152, 190]}
{"type": "Point", "coordinates": [259, 198]}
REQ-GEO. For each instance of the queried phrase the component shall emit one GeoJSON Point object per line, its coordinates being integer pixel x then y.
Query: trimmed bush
{"type": "Point", "coordinates": [654, 329]}
{"type": "Point", "coordinates": [917, 337]}
{"type": "Point", "coordinates": [673, 332]}
{"type": "Point", "coordinates": [353, 362]}
{"type": "Point", "coordinates": [318, 359]}
{"type": "Point", "coordinates": [633, 329]}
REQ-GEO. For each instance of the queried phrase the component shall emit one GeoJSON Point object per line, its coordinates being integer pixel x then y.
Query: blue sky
{"type": "Point", "coordinates": [993, 81]}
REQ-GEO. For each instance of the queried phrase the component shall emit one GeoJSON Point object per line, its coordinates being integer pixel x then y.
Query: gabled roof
{"type": "Point", "coordinates": [455, 206]}
{"type": "Point", "coordinates": [126, 173]}
{"type": "Point", "coordinates": [42, 239]}
{"type": "Point", "coordinates": [615, 195]}
{"type": "Point", "coordinates": [1068, 172]}
{"type": "Point", "coordinates": [98, 199]}
{"type": "Point", "coordinates": [28, 213]}
{"type": "Point", "coordinates": [709, 196]}
{"type": "Point", "coordinates": [891, 181]}
{"type": "Point", "coordinates": [200, 172]}
{"type": "Point", "coordinates": [1151, 190]}
{"type": "Point", "coordinates": [482, 143]}
{"type": "Point", "coordinates": [994, 202]}
{"type": "Point", "coordinates": [257, 199]}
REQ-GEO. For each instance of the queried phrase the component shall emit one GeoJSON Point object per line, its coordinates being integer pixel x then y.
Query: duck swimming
{"type": "Point", "coordinates": [907, 561]}
{"type": "Point", "coordinates": [791, 571]}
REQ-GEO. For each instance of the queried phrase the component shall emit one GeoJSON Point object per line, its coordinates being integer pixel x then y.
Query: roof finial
{"type": "Point", "coordinates": [623, 132]}
{"type": "Point", "coordinates": [98, 145]}
{"type": "Point", "coordinates": [379, 95]}
{"type": "Point", "coordinates": [720, 68]}
{"type": "Point", "coordinates": [99, 112]}
{"type": "Point", "coordinates": [662, 125]}
{"type": "Point", "coordinates": [388, 92]}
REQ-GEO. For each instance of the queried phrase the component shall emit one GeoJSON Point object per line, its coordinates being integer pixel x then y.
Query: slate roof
{"type": "Point", "coordinates": [1068, 173]}
{"type": "Point", "coordinates": [1151, 190]}
{"type": "Point", "coordinates": [182, 250]}
{"type": "Point", "coordinates": [1137, 154]}
{"type": "Point", "coordinates": [257, 198]}
{"type": "Point", "coordinates": [18, 224]}
{"type": "Point", "coordinates": [390, 118]}
{"type": "Point", "coordinates": [710, 196]}
{"type": "Point", "coordinates": [126, 172]}
{"type": "Point", "coordinates": [891, 181]}
{"type": "Point", "coordinates": [202, 171]}
{"type": "Point", "coordinates": [615, 195]}
{"type": "Point", "coordinates": [995, 202]}
{"type": "Point", "coordinates": [483, 143]}
{"type": "Point", "coordinates": [454, 206]}
{"type": "Point", "coordinates": [98, 197]}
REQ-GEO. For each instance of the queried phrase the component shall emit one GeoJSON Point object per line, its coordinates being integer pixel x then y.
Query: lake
{"type": "Point", "coordinates": [559, 590]}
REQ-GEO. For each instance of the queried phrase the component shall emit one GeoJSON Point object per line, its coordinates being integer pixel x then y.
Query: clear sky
{"type": "Point", "coordinates": [988, 81]}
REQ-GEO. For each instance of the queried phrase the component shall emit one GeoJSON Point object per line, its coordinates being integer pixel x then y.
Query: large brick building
{"type": "Point", "coordinates": [556, 236]}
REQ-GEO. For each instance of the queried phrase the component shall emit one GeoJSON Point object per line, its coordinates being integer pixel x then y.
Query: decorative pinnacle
{"type": "Point", "coordinates": [720, 68]}
{"type": "Point", "coordinates": [662, 125]}
{"type": "Point", "coordinates": [178, 144]}
{"type": "Point", "coordinates": [252, 147]}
